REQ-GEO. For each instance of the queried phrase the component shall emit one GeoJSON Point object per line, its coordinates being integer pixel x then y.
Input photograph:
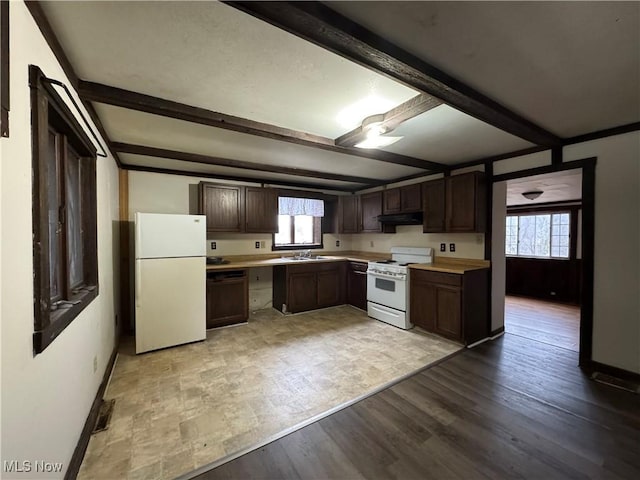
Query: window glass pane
{"type": "Point", "coordinates": [55, 231]}
{"type": "Point", "coordinates": [560, 234]}
{"type": "Point", "coordinates": [526, 235]}
{"type": "Point", "coordinates": [543, 230]}
{"type": "Point", "coordinates": [283, 237]}
{"type": "Point", "coordinates": [303, 229]}
{"type": "Point", "coordinates": [74, 220]}
{"type": "Point", "coordinates": [511, 245]}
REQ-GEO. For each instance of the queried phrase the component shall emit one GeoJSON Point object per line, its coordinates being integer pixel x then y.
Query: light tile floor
{"type": "Point", "coordinates": [184, 407]}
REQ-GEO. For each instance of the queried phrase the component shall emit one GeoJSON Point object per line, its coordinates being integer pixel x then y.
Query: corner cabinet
{"type": "Point", "coordinates": [309, 286]}
{"type": "Point", "coordinates": [452, 305]}
{"type": "Point", "coordinates": [456, 204]}
{"type": "Point", "coordinates": [231, 208]}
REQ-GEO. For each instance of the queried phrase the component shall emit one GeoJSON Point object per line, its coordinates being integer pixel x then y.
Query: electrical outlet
{"type": "Point", "coordinates": [257, 244]}
{"type": "Point", "coordinates": [337, 243]}
{"type": "Point", "coordinates": [95, 363]}
{"type": "Point", "coordinates": [213, 245]}
{"type": "Point", "coordinates": [261, 243]}
{"type": "Point", "coordinates": [452, 247]}
{"type": "Point", "coordinates": [443, 247]}
{"type": "Point", "coordinates": [257, 278]}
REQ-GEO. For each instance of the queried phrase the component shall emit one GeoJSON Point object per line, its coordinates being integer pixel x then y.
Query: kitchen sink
{"type": "Point", "coordinates": [312, 257]}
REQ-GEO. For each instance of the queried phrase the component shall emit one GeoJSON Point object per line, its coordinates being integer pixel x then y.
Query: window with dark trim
{"type": "Point", "coordinates": [64, 213]}
{"type": "Point", "coordinates": [539, 235]}
{"type": "Point", "coordinates": [4, 68]}
{"type": "Point", "coordinates": [299, 223]}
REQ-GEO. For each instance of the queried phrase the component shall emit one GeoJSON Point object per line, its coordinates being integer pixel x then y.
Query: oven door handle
{"type": "Point", "coordinates": [402, 278]}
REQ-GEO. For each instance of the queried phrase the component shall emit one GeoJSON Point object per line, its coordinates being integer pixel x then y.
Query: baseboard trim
{"type": "Point", "coordinates": [83, 441]}
{"type": "Point", "coordinates": [496, 333]}
{"type": "Point", "coordinates": [590, 367]}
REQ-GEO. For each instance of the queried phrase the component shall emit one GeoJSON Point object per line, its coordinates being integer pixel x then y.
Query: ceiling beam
{"type": "Point", "coordinates": [326, 28]}
{"type": "Point", "coordinates": [227, 162]}
{"type": "Point", "coordinates": [215, 176]}
{"type": "Point", "coordinates": [394, 117]}
{"type": "Point", "coordinates": [118, 97]}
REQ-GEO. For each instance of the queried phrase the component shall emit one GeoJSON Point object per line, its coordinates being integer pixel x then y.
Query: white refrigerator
{"type": "Point", "coordinates": [170, 280]}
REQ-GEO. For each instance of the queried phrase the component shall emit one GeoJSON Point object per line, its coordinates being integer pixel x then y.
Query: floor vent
{"type": "Point", "coordinates": [104, 416]}
{"type": "Point", "coordinates": [627, 385]}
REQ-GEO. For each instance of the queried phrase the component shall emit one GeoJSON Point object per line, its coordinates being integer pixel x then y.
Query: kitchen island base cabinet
{"type": "Point", "coordinates": [452, 305]}
{"type": "Point", "coordinates": [227, 298]}
{"type": "Point", "coordinates": [300, 288]}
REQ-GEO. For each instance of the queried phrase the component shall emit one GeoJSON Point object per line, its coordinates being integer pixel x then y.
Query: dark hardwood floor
{"type": "Point", "coordinates": [510, 408]}
{"type": "Point", "coordinates": [549, 322]}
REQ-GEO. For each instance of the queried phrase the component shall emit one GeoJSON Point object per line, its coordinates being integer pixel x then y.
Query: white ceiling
{"type": "Point", "coordinates": [556, 187]}
{"type": "Point", "coordinates": [571, 67]}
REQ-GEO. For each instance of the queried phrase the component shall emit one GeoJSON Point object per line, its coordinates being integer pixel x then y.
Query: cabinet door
{"type": "Point", "coordinates": [391, 201]}
{"type": "Point", "coordinates": [357, 287]}
{"type": "Point", "coordinates": [466, 203]}
{"type": "Point", "coordinates": [433, 195]}
{"type": "Point", "coordinates": [227, 302]}
{"type": "Point", "coordinates": [302, 292]}
{"type": "Point", "coordinates": [349, 218]}
{"type": "Point", "coordinates": [422, 302]}
{"type": "Point", "coordinates": [370, 208]}
{"type": "Point", "coordinates": [329, 288]}
{"type": "Point", "coordinates": [449, 311]}
{"type": "Point", "coordinates": [224, 207]}
{"type": "Point", "coordinates": [261, 210]}
{"type": "Point", "coordinates": [411, 198]}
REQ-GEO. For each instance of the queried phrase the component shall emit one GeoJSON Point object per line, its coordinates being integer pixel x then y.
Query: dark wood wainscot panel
{"type": "Point", "coordinates": [227, 297]}
{"type": "Point", "coordinates": [303, 287]}
{"type": "Point", "coordinates": [546, 279]}
{"type": "Point", "coordinates": [451, 305]}
{"type": "Point", "coordinates": [357, 284]}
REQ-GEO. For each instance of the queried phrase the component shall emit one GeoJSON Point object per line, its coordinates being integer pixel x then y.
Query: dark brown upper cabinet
{"type": "Point", "coordinates": [261, 210]}
{"type": "Point", "coordinates": [370, 208]}
{"type": "Point", "coordinates": [405, 199]}
{"type": "Point", "coordinates": [348, 214]}
{"type": "Point", "coordinates": [433, 195]}
{"type": "Point", "coordinates": [455, 204]}
{"type": "Point", "coordinates": [466, 203]}
{"type": "Point", "coordinates": [231, 208]}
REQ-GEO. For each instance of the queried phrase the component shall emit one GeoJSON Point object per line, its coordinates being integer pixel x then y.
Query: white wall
{"type": "Point", "coordinates": [616, 297]}
{"type": "Point", "coordinates": [46, 398]}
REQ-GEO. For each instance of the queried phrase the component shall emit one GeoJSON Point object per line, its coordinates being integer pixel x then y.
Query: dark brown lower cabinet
{"type": "Point", "coordinates": [357, 284]}
{"type": "Point", "coordinates": [227, 297]}
{"type": "Point", "coordinates": [455, 306]}
{"type": "Point", "coordinates": [303, 287]}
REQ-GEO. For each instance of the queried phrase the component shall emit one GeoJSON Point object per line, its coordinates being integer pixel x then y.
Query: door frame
{"type": "Point", "coordinates": [588, 167]}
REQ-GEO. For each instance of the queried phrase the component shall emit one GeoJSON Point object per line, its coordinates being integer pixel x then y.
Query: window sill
{"type": "Point", "coordinates": [61, 319]}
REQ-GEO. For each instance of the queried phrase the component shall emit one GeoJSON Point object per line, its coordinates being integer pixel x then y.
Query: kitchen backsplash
{"type": "Point", "coordinates": [467, 245]}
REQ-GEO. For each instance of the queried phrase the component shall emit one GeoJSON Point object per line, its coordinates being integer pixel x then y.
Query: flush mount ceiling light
{"type": "Point", "coordinates": [532, 195]}
{"type": "Point", "coordinates": [369, 134]}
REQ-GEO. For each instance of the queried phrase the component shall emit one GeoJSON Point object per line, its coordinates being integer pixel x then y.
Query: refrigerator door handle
{"type": "Point", "coordinates": [138, 283]}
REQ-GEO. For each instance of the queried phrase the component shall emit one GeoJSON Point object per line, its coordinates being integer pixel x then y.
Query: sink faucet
{"type": "Point", "coordinates": [304, 254]}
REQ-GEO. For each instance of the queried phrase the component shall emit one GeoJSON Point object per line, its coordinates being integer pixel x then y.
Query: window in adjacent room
{"type": "Point", "coordinates": [299, 223]}
{"type": "Point", "coordinates": [64, 213]}
{"type": "Point", "coordinates": [541, 235]}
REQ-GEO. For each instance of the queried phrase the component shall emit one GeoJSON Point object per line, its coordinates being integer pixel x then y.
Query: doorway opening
{"type": "Point", "coordinates": [543, 256]}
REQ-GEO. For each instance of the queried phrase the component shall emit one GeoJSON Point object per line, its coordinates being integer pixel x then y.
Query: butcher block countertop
{"type": "Point", "coordinates": [452, 265]}
{"type": "Point", "coordinates": [447, 265]}
{"type": "Point", "coordinates": [269, 260]}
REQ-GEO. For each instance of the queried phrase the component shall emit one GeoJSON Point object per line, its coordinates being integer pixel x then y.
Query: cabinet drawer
{"type": "Point", "coordinates": [437, 277]}
{"type": "Point", "coordinates": [358, 266]}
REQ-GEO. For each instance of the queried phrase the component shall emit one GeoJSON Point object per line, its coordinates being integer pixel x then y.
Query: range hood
{"type": "Point", "coordinates": [401, 219]}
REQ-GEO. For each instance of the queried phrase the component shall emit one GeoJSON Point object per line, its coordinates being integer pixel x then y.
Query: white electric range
{"type": "Point", "coordinates": [388, 287]}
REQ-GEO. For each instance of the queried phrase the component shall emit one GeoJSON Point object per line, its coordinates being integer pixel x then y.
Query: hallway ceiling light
{"type": "Point", "coordinates": [532, 195]}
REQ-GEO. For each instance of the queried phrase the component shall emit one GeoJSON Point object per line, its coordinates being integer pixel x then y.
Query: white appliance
{"type": "Point", "coordinates": [388, 287]}
{"type": "Point", "coordinates": [170, 280]}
